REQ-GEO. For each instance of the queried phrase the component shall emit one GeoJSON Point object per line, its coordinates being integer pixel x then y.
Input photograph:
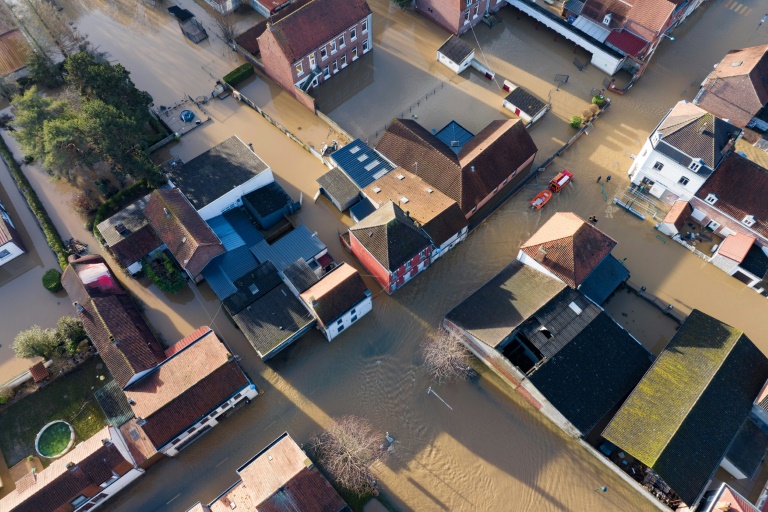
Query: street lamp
{"type": "Point", "coordinates": [668, 36]}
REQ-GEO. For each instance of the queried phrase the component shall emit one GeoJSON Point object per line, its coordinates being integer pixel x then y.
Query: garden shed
{"type": "Point", "coordinates": [525, 105]}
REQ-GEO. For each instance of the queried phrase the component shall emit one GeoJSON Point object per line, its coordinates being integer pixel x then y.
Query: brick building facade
{"type": "Point", "coordinates": [457, 16]}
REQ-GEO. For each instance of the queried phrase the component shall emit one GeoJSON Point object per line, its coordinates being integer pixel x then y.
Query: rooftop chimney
{"type": "Point", "coordinates": [166, 212]}
{"type": "Point", "coordinates": [541, 254]}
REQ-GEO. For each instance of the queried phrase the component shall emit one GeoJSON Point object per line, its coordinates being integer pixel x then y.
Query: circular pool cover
{"type": "Point", "coordinates": [54, 439]}
{"type": "Point", "coordinates": [187, 116]}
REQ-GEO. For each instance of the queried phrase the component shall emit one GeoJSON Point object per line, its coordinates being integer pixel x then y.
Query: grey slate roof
{"type": "Point", "coordinates": [390, 236]}
{"type": "Point", "coordinates": [268, 199]}
{"type": "Point", "coordinates": [748, 448]}
{"type": "Point", "coordinates": [212, 174]}
{"type": "Point", "coordinates": [591, 374]}
{"type": "Point", "coordinates": [454, 136]}
{"type": "Point", "coordinates": [502, 304]}
{"type": "Point", "coordinates": [131, 217]}
{"type": "Point", "coordinates": [273, 320]}
{"type": "Point", "coordinates": [455, 49]}
{"type": "Point", "coordinates": [337, 185]}
{"type": "Point", "coordinates": [300, 275]}
{"type": "Point", "coordinates": [361, 210]}
{"type": "Point", "coordinates": [755, 262]}
{"type": "Point", "coordinates": [686, 410]}
{"type": "Point", "coordinates": [603, 281]}
{"type": "Point", "coordinates": [114, 403]}
{"type": "Point", "coordinates": [299, 243]}
{"type": "Point", "coordinates": [361, 163]}
{"type": "Point", "coordinates": [251, 287]}
{"type": "Point", "coordinates": [525, 101]}
{"type": "Point", "coordinates": [223, 270]}
{"type": "Point", "coordinates": [575, 6]}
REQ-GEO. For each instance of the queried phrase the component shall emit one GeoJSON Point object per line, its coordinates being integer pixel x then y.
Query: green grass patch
{"type": "Point", "coordinates": [239, 74]}
{"type": "Point", "coordinates": [54, 439]}
{"type": "Point", "coordinates": [69, 398]}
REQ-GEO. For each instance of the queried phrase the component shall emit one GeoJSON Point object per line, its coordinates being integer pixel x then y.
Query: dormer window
{"type": "Point", "coordinates": [748, 221]}
{"type": "Point", "coordinates": [695, 166]}
{"type": "Point", "coordinates": [711, 199]}
{"type": "Point", "coordinates": [607, 19]}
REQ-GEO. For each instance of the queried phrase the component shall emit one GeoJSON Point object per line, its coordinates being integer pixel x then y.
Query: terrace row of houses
{"type": "Point", "coordinates": [689, 163]}
{"type": "Point", "coordinates": [688, 420]}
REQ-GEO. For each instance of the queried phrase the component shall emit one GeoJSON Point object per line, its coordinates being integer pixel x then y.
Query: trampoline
{"type": "Point", "coordinates": [187, 116]}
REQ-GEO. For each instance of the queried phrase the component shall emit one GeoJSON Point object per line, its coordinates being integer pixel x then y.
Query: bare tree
{"type": "Point", "coordinates": [226, 25]}
{"type": "Point", "coordinates": [445, 357]}
{"type": "Point", "coordinates": [347, 450]}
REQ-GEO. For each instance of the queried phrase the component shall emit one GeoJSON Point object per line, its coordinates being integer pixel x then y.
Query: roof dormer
{"type": "Point", "coordinates": [607, 19]}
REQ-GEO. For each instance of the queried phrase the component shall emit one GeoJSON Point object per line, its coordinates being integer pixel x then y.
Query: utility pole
{"type": "Point", "coordinates": [430, 390]}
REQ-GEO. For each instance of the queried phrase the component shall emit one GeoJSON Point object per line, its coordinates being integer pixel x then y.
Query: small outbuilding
{"type": "Point", "coordinates": [525, 105]}
{"type": "Point", "coordinates": [339, 189]}
{"type": "Point", "coordinates": [455, 54]}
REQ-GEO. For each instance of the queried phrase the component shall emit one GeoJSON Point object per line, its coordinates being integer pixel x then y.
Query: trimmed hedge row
{"type": "Point", "coordinates": [239, 74]}
{"type": "Point", "coordinates": [119, 201]}
{"type": "Point", "coordinates": [52, 235]}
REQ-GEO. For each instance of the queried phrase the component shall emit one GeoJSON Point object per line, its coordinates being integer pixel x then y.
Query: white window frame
{"type": "Point", "coordinates": [312, 62]}
{"type": "Point", "coordinates": [477, 8]}
{"type": "Point", "coordinates": [469, 2]}
{"type": "Point", "coordinates": [466, 17]}
{"type": "Point", "coordinates": [683, 181]}
{"type": "Point", "coordinates": [343, 41]}
{"type": "Point", "coordinates": [326, 72]}
{"type": "Point", "coordinates": [658, 165]}
{"type": "Point", "coordinates": [365, 26]}
{"type": "Point", "coordinates": [711, 199]}
{"type": "Point", "coordinates": [749, 221]}
{"type": "Point", "coordinates": [365, 46]}
{"type": "Point", "coordinates": [695, 166]}
{"type": "Point", "coordinates": [299, 69]}
{"type": "Point", "coordinates": [333, 47]}
{"type": "Point", "coordinates": [335, 66]}
{"type": "Point", "coordinates": [354, 53]}
{"type": "Point", "coordinates": [353, 34]}
{"type": "Point", "coordinates": [324, 53]}
{"type": "Point", "coordinates": [4, 253]}
{"type": "Point", "coordinates": [343, 61]}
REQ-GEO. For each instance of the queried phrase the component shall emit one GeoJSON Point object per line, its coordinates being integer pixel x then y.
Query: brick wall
{"type": "Point", "coordinates": [712, 213]}
{"type": "Point", "coordinates": [371, 264]}
{"type": "Point", "coordinates": [512, 181]}
{"type": "Point", "coordinates": [450, 14]}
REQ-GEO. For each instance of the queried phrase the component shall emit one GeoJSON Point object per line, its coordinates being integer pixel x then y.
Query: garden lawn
{"type": "Point", "coordinates": [69, 398]}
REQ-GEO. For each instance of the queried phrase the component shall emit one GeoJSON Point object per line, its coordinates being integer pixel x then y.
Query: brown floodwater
{"type": "Point", "coordinates": [491, 452]}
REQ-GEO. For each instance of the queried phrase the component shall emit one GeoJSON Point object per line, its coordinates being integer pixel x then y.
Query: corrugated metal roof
{"type": "Point", "coordinates": [591, 28]}
{"type": "Point", "coordinates": [235, 229]}
{"type": "Point", "coordinates": [299, 243]}
{"type": "Point", "coordinates": [361, 163]}
{"type": "Point", "coordinates": [454, 136]}
{"type": "Point", "coordinates": [226, 233]}
{"type": "Point", "coordinates": [14, 49]}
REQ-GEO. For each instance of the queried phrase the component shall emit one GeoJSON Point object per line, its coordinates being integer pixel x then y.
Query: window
{"type": "Point", "coordinates": [4, 253]}
{"type": "Point", "coordinates": [353, 319]}
{"type": "Point", "coordinates": [98, 498]}
{"type": "Point", "coordinates": [78, 501]}
{"type": "Point", "coordinates": [407, 266]}
{"type": "Point", "coordinates": [176, 441]}
{"type": "Point", "coordinates": [748, 221]}
{"type": "Point", "coordinates": [352, 311]}
{"type": "Point", "coordinates": [365, 26]}
{"type": "Point", "coordinates": [658, 166]}
{"type": "Point", "coordinates": [323, 53]}
{"type": "Point", "coordinates": [354, 53]}
{"type": "Point", "coordinates": [333, 46]}
{"type": "Point", "coordinates": [683, 181]}
{"type": "Point", "coordinates": [469, 2]}
{"type": "Point", "coordinates": [326, 72]}
{"type": "Point", "coordinates": [341, 328]}
{"type": "Point", "coordinates": [711, 198]}
{"type": "Point", "coordinates": [112, 480]}
{"type": "Point", "coordinates": [343, 61]}
{"type": "Point", "coordinates": [299, 69]}
{"type": "Point", "coordinates": [365, 45]}
{"type": "Point", "coordinates": [191, 430]}
{"type": "Point", "coordinates": [342, 42]}
{"type": "Point", "coordinates": [694, 166]}
{"type": "Point", "coordinates": [466, 17]}
{"type": "Point", "coordinates": [495, 190]}
{"type": "Point", "coordinates": [504, 182]}
{"type": "Point", "coordinates": [474, 15]}
{"type": "Point", "coordinates": [312, 61]}
{"type": "Point", "coordinates": [335, 66]}
{"type": "Point", "coordinates": [353, 34]}
{"type": "Point", "coordinates": [341, 321]}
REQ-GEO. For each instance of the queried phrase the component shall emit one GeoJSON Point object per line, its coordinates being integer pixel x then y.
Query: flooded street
{"type": "Point", "coordinates": [492, 451]}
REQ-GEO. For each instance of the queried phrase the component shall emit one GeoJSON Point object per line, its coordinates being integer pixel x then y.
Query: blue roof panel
{"type": "Point", "coordinates": [226, 233]}
{"type": "Point", "coordinates": [454, 136]}
{"type": "Point", "coordinates": [361, 163]}
{"type": "Point", "coordinates": [299, 243]}
{"type": "Point", "coordinates": [226, 268]}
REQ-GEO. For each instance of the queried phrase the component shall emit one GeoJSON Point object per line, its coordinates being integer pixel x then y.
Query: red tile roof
{"type": "Point", "coordinates": [738, 87]}
{"type": "Point", "coordinates": [648, 17]}
{"type": "Point", "coordinates": [185, 388]}
{"type": "Point", "coordinates": [39, 372]}
{"type": "Point", "coordinates": [736, 246]}
{"type": "Point", "coordinates": [569, 247]}
{"type": "Point", "coordinates": [109, 316]}
{"type": "Point", "coordinates": [54, 487]}
{"type": "Point", "coordinates": [741, 187]}
{"type": "Point", "coordinates": [336, 293]}
{"type": "Point", "coordinates": [187, 340]}
{"type": "Point", "coordinates": [136, 246]}
{"type": "Point", "coordinates": [307, 24]}
{"type": "Point", "coordinates": [679, 214]}
{"type": "Point", "coordinates": [627, 42]}
{"type": "Point", "coordinates": [596, 10]}
{"type": "Point", "coordinates": [469, 177]}
{"type": "Point", "coordinates": [191, 241]}
{"type": "Point", "coordinates": [731, 501]}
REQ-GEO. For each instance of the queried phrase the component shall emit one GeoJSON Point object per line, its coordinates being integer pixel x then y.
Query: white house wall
{"type": "Point", "coordinates": [449, 244]}
{"type": "Point", "coordinates": [669, 175]}
{"type": "Point", "coordinates": [361, 309]}
{"type": "Point", "coordinates": [527, 260]}
{"type": "Point", "coordinates": [13, 250]}
{"type": "Point", "coordinates": [233, 198]}
{"type": "Point", "coordinates": [117, 486]}
{"type": "Point", "coordinates": [456, 67]}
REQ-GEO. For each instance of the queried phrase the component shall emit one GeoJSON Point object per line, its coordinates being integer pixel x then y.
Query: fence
{"type": "Point", "coordinates": [677, 238]}
{"type": "Point", "coordinates": [410, 108]}
{"type": "Point", "coordinates": [665, 307]}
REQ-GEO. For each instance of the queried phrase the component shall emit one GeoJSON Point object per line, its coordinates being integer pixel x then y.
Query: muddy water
{"type": "Point", "coordinates": [491, 452]}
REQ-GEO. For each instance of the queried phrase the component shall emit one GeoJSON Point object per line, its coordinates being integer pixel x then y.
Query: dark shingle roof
{"type": "Point", "coordinates": [360, 163]}
{"type": "Point", "coordinates": [696, 133]}
{"type": "Point", "coordinates": [136, 246]}
{"type": "Point", "coordinates": [109, 312]}
{"type": "Point", "coordinates": [300, 275]}
{"type": "Point", "coordinates": [191, 241]}
{"type": "Point", "coordinates": [114, 403]}
{"type": "Point", "coordinates": [525, 101]}
{"type": "Point", "coordinates": [593, 372]}
{"type": "Point", "coordinates": [131, 218]}
{"type": "Point", "coordinates": [748, 448]}
{"type": "Point", "coordinates": [455, 49]}
{"type": "Point", "coordinates": [222, 271]}
{"type": "Point", "coordinates": [502, 304]}
{"type": "Point", "coordinates": [569, 247]}
{"type": "Point", "coordinates": [604, 280]}
{"type": "Point", "coordinates": [390, 236]}
{"type": "Point", "coordinates": [252, 286]}
{"type": "Point", "coordinates": [268, 199]}
{"type": "Point", "coordinates": [755, 262]}
{"type": "Point", "coordinates": [482, 165]}
{"type": "Point", "coordinates": [336, 293]}
{"type": "Point", "coordinates": [212, 174]}
{"type": "Point", "coordinates": [686, 410]}
{"type": "Point", "coordinates": [273, 320]}
{"type": "Point", "coordinates": [741, 187]}
{"type": "Point", "coordinates": [337, 185]}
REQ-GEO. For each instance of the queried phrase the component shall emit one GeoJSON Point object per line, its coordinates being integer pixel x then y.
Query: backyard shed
{"type": "Point", "coordinates": [525, 105]}
{"type": "Point", "coordinates": [455, 54]}
{"type": "Point", "coordinates": [339, 189]}
{"type": "Point", "coordinates": [194, 30]}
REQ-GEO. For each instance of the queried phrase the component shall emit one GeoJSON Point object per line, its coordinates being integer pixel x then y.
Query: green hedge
{"type": "Point", "coordinates": [119, 201]}
{"type": "Point", "coordinates": [52, 235]}
{"type": "Point", "coordinates": [239, 74]}
{"type": "Point", "coordinates": [52, 280]}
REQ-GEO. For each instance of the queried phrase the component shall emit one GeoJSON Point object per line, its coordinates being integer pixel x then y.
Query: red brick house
{"type": "Point", "coordinates": [479, 172]}
{"type": "Point", "coordinates": [457, 16]}
{"type": "Point", "coordinates": [309, 42]}
{"type": "Point", "coordinates": [390, 246]}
